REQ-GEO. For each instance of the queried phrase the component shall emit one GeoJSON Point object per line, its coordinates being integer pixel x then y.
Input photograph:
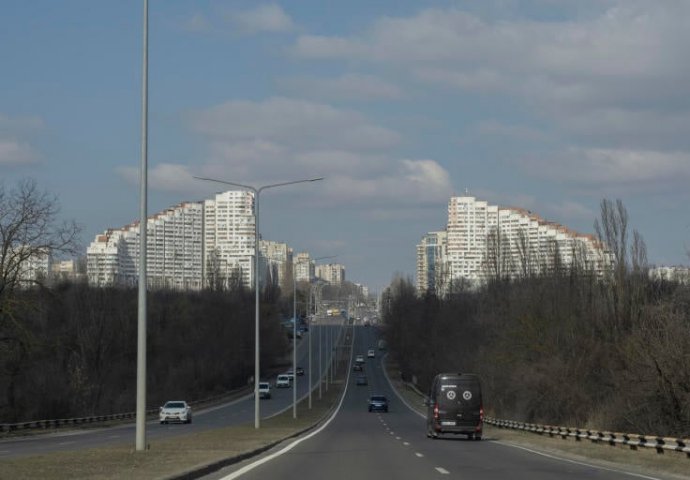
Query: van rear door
{"type": "Point", "coordinates": [459, 402]}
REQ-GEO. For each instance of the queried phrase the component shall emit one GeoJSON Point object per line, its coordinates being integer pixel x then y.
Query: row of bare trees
{"type": "Point", "coordinates": [70, 350]}
{"type": "Point", "coordinates": [80, 355]}
{"type": "Point", "coordinates": [566, 347]}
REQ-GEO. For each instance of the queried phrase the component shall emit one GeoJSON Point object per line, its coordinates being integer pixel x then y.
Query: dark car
{"type": "Point", "coordinates": [362, 380]}
{"type": "Point", "coordinates": [378, 403]}
{"type": "Point", "coordinates": [357, 367]}
{"type": "Point", "coordinates": [299, 371]}
{"type": "Point", "coordinates": [455, 406]}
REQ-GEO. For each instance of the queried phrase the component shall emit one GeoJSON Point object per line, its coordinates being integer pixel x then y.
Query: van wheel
{"type": "Point", "coordinates": [477, 437]}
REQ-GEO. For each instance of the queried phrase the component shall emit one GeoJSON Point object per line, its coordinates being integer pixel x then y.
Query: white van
{"type": "Point", "coordinates": [283, 381]}
{"type": "Point", "coordinates": [264, 390]}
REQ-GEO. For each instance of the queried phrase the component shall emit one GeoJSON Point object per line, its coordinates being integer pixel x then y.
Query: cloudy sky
{"type": "Point", "coordinates": [542, 104]}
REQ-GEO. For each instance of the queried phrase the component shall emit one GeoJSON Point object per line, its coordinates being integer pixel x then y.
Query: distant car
{"type": "Point", "coordinates": [362, 380]}
{"type": "Point", "coordinates": [357, 367]}
{"type": "Point", "coordinates": [359, 359]}
{"type": "Point", "coordinates": [264, 390]}
{"type": "Point", "coordinates": [282, 381]}
{"type": "Point", "coordinates": [175, 411]}
{"type": "Point", "coordinates": [371, 353]}
{"type": "Point", "coordinates": [299, 371]}
{"type": "Point", "coordinates": [290, 374]}
{"type": "Point", "coordinates": [378, 403]}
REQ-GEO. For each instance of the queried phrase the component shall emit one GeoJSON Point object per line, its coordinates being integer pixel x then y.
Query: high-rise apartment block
{"type": "Point", "coordinates": [229, 240]}
{"type": "Point", "coordinates": [188, 246]}
{"type": "Point", "coordinates": [485, 241]}
{"type": "Point", "coordinates": [195, 245]}
{"type": "Point", "coordinates": [333, 273]}
{"type": "Point", "coordinates": [174, 251]}
{"type": "Point", "coordinates": [305, 268]}
{"type": "Point", "coordinates": [276, 260]}
{"type": "Point", "coordinates": [431, 261]}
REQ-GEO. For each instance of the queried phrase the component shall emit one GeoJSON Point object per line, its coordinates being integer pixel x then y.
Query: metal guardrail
{"type": "Point", "coordinates": [62, 422]}
{"type": "Point", "coordinates": [634, 441]}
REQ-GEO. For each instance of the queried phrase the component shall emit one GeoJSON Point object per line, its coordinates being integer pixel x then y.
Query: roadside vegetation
{"type": "Point", "coordinates": [566, 348]}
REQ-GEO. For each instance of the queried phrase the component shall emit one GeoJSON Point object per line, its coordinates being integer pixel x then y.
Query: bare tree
{"type": "Point", "coordinates": [29, 231]}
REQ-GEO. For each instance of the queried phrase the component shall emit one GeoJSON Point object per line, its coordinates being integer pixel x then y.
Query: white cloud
{"type": "Point", "coordinates": [629, 57]}
{"type": "Point", "coordinates": [345, 87]}
{"type": "Point", "coordinates": [14, 153]}
{"type": "Point", "coordinates": [292, 122]}
{"type": "Point", "coordinates": [165, 177]}
{"type": "Point", "coordinates": [614, 167]}
{"type": "Point", "coordinates": [197, 23]}
{"type": "Point", "coordinates": [13, 150]}
{"type": "Point", "coordinates": [282, 138]}
{"type": "Point", "coordinates": [265, 18]}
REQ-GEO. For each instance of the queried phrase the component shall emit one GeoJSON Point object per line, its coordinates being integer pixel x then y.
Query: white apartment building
{"type": "Point", "coordinates": [431, 262]}
{"type": "Point", "coordinates": [32, 264]}
{"type": "Point", "coordinates": [333, 273]}
{"type": "Point", "coordinates": [174, 251]}
{"type": "Point", "coordinates": [276, 261]}
{"type": "Point", "coordinates": [673, 273]}
{"type": "Point", "coordinates": [229, 240]}
{"type": "Point", "coordinates": [305, 267]}
{"type": "Point", "coordinates": [485, 241]}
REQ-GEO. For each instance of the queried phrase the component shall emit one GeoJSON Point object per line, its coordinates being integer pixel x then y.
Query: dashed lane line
{"type": "Point", "coordinates": [442, 471]}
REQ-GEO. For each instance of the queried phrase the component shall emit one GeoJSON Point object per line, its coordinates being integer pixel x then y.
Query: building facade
{"type": "Point", "coordinates": [484, 242]}
{"type": "Point", "coordinates": [334, 273]}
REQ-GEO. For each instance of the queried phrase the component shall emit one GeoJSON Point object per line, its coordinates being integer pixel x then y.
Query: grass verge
{"type": "Point", "coordinates": [172, 458]}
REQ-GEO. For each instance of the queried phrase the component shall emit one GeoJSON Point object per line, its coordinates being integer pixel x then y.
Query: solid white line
{"type": "Point", "coordinates": [292, 445]}
{"type": "Point", "coordinates": [420, 455]}
{"type": "Point", "coordinates": [554, 457]}
{"type": "Point", "coordinates": [442, 471]}
{"type": "Point", "coordinates": [407, 444]}
{"type": "Point", "coordinates": [385, 373]}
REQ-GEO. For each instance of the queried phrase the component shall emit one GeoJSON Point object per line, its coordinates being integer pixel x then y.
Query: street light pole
{"type": "Point", "coordinates": [140, 434]}
{"type": "Point", "coordinates": [257, 193]}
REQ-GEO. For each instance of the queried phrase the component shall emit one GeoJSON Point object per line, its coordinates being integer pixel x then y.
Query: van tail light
{"type": "Point", "coordinates": [436, 411]}
{"type": "Point", "coordinates": [481, 413]}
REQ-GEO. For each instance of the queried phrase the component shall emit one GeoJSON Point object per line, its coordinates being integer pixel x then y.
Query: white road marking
{"type": "Point", "coordinates": [578, 463]}
{"type": "Point", "coordinates": [66, 443]}
{"type": "Point", "coordinates": [397, 438]}
{"type": "Point", "coordinates": [420, 455]}
{"type": "Point", "coordinates": [407, 444]}
{"type": "Point", "coordinates": [442, 471]}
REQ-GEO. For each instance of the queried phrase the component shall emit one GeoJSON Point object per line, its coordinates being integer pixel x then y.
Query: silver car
{"type": "Point", "coordinates": [176, 411]}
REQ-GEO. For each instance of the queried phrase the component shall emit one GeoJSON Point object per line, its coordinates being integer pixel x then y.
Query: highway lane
{"type": "Point", "coordinates": [240, 411]}
{"type": "Point", "coordinates": [360, 445]}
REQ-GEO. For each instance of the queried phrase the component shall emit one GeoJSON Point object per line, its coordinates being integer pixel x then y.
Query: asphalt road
{"type": "Point", "coordinates": [238, 412]}
{"type": "Point", "coordinates": [360, 445]}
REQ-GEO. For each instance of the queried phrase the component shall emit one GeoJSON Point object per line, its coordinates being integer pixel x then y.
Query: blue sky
{"type": "Point", "coordinates": [545, 105]}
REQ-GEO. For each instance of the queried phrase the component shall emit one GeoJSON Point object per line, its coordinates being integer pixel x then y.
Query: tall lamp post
{"type": "Point", "coordinates": [257, 192]}
{"type": "Point", "coordinates": [140, 430]}
{"type": "Point", "coordinates": [294, 338]}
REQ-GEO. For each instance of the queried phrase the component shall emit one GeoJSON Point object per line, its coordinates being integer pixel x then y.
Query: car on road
{"type": "Point", "coordinates": [264, 390]}
{"type": "Point", "coordinates": [300, 371]}
{"type": "Point", "coordinates": [378, 403]}
{"type": "Point", "coordinates": [175, 411]}
{"type": "Point", "coordinates": [371, 353]}
{"type": "Point", "coordinates": [282, 381]}
{"type": "Point", "coordinates": [358, 367]}
{"type": "Point", "coordinates": [359, 359]}
{"type": "Point", "coordinates": [454, 405]}
{"type": "Point", "coordinates": [290, 374]}
{"type": "Point", "coordinates": [362, 380]}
